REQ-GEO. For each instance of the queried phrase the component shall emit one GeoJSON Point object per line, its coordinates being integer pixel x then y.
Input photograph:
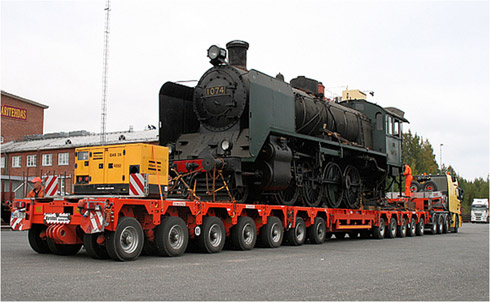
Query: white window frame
{"type": "Point", "coordinates": [16, 161]}
{"type": "Point", "coordinates": [47, 160]}
{"type": "Point", "coordinates": [31, 160]}
{"type": "Point", "coordinates": [63, 159]}
{"type": "Point", "coordinates": [2, 165]}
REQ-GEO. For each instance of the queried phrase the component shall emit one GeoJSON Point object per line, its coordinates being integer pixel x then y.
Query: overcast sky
{"type": "Point", "coordinates": [428, 58]}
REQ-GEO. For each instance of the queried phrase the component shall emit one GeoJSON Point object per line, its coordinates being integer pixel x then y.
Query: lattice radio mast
{"type": "Point", "coordinates": [103, 116]}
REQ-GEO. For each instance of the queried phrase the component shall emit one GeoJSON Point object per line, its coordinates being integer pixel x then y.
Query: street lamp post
{"type": "Point", "coordinates": [440, 156]}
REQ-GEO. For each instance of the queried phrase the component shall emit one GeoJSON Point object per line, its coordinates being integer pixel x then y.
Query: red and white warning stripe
{"type": "Point", "coordinates": [97, 222]}
{"type": "Point", "coordinates": [16, 220]}
{"type": "Point", "coordinates": [137, 184]}
{"type": "Point", "coordinates": [51, 186]}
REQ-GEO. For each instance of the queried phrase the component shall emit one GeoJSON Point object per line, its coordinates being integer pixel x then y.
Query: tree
{"type": "Point", "coordinates": [419, 154]}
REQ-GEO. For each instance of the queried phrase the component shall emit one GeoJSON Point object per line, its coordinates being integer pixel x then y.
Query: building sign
{"type": "Point", "coordinates": [14, 112]}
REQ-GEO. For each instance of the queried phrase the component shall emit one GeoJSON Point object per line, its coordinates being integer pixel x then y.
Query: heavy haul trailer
{"type": "Point", "coordinates": [132, 220]}
{"type": "Point", "coordinates": [121, 228]}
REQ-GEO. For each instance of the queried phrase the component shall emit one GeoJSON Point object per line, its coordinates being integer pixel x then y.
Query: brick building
{"type": "Point", "coordinates": [20, 117]}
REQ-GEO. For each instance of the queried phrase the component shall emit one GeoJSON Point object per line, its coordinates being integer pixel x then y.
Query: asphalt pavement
{"type": "Point", "coordinates": [432, 267]}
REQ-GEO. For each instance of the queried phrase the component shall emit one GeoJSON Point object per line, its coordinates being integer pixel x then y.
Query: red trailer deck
{"type": "Point", "coordinates": [121, 228]}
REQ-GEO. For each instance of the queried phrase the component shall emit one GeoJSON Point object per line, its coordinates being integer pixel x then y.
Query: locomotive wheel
{"type": "Point", "coordinates": [312, 189]}
{"type": "Point", "coordinates": [171, 237]}
{"type": "Point", "coordinates": [63, 249]}
{"type": "Point", "coordinates": [38, 244]}
{"type": "Point", "coordinates": [420, 227]}
{"type": "Point", "coordinates": [445, 226]}
{"type": "Point", "coordinates": [94, 249]}
{"type": "Point", "coordinates": [414, 186]}
{"type": "Point", "coordinates": [352, 184]}
{"type": "Point", "coordinates": [212, 238]}
{"type": "Point", "coordinates": [430, 186]}
{"type": "Point", "coordinates": [411, 228]}
{"type": "Point", "coordinates": [391, 229]}
{"type": "Point", "coordinates": [402, 229]}
{"type": "Point", "coordinates": [240, 194]}
{"type": "Point", "coordinates": [126, 243]}
{"type": "Point", "coordinates": [289, 196]}
{"type": "Point", "coordinates": [272, 233]}
{"type": "Point", "coordinates": [317, 231]}
{"type": "Point", "coordinates": [333, 188]}
{"type": "Point", "coordinates": [379, 231]}
{"type": "Point", "coordinates": [440, 224]}
{"type": "Point", "coordinates": [244, 234]}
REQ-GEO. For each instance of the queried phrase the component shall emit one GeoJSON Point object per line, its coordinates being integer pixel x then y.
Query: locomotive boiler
{"type": "Point", "coordinates": [243, 135]}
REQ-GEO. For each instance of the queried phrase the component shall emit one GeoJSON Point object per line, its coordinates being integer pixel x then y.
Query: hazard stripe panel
{"type": "Point", "coordinates": [137, 184]}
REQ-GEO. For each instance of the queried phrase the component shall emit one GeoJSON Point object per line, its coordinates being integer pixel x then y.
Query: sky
{"type": "Point", "coordinates": [427, 58]}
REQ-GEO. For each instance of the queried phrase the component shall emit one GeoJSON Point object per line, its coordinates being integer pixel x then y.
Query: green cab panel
{"type": "Point", "coordinates": [271, 104]}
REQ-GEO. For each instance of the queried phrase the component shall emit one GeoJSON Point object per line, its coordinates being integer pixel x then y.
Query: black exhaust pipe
{"type": "Point", "coordinates": [237, 53]}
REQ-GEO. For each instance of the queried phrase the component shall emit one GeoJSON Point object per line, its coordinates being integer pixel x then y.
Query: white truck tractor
{"type": "Point", "coordinates": [479, 210]}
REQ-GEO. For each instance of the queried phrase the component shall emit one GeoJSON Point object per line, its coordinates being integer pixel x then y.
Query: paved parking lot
{"type": "Point", "coordinates": [432, 267]}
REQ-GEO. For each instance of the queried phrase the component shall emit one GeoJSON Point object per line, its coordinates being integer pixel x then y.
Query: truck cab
{"type": "Point", "coordinates": [479, 210]}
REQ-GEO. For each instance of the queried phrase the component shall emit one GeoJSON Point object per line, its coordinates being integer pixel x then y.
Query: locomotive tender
{"type": "Point", "coordinates": [276, 142]}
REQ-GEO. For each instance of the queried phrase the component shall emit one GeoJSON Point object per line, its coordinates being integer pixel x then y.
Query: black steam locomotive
{"type": "Point", "coordinates": [246, 136]}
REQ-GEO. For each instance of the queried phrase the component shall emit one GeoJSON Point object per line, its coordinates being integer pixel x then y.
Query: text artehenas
{"type": "Point", "coordinates": [14, 112]}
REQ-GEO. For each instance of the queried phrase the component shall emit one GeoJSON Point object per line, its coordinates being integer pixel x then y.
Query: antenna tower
{"type": "Point", "coordinates": [103, 115]}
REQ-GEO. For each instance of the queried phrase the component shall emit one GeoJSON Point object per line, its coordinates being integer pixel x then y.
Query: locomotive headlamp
{"type": "Point", "coordinates": [225, 145]}
{"type": "Point", "coordinates": [216, 54]}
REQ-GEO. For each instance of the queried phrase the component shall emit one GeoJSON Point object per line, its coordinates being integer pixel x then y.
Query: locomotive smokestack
{"type": "Point", "coordinates": [237, 53]}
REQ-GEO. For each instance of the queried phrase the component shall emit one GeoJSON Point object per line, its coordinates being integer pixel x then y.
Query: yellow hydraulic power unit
{"type": "Point", "coordinates": [130, 169]}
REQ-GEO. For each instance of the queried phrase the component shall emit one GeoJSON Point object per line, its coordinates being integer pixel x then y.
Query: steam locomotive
{"type": "Point", "coordinates": [246, 136]}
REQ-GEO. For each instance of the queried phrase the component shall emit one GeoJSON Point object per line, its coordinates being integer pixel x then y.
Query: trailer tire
{"type": "Point", "coordinates": [171, 237]}
{"type": "Point", "coordinates": [271, 234]}
{"type": "Point", "coordinates": [38, 244]}
{"type": "Point", "coordinates": [126, 243]}
{"type": "Point", "coordinates": [433, 225]}
{"type": "Point", "coordinates": [414, 186]}
{"type": "Point", "coordinates": [94, 249]}
{"type": "Point", "coordinates": [440, 224]}
{"type": "Point", "coordinates": [244, 234]}
{"type": "Point", "coordinates": [430, 186]}
{"type": "Point", "coordinates": [411, 232]}
{"type": "Point", "coordinates": [317, 231]}
{"type": "Point", "coordinates": [420, 228]}
{"type": "Point", "coordinates": [297, 235]}
{"type": "Point", "coordinates": [445, 226]}
{"type": "Point", "coordinates": [402, 229]}
{"type": "Point", "coordinates": [63, 249]}
{"type": "Point", "coordinates": [379, 231]}
{"type": "Point", "coordinates": [213, 236]}
{"type": "Point", "coordinates": [391, 229]}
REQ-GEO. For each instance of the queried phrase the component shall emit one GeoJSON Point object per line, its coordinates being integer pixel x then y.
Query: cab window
{"type": "Point", "coordinates": [379, 121]}
{"type": "Point", "coordinates": [389, 125]}
{"type": "Point", "coordinates": [396, 128]}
